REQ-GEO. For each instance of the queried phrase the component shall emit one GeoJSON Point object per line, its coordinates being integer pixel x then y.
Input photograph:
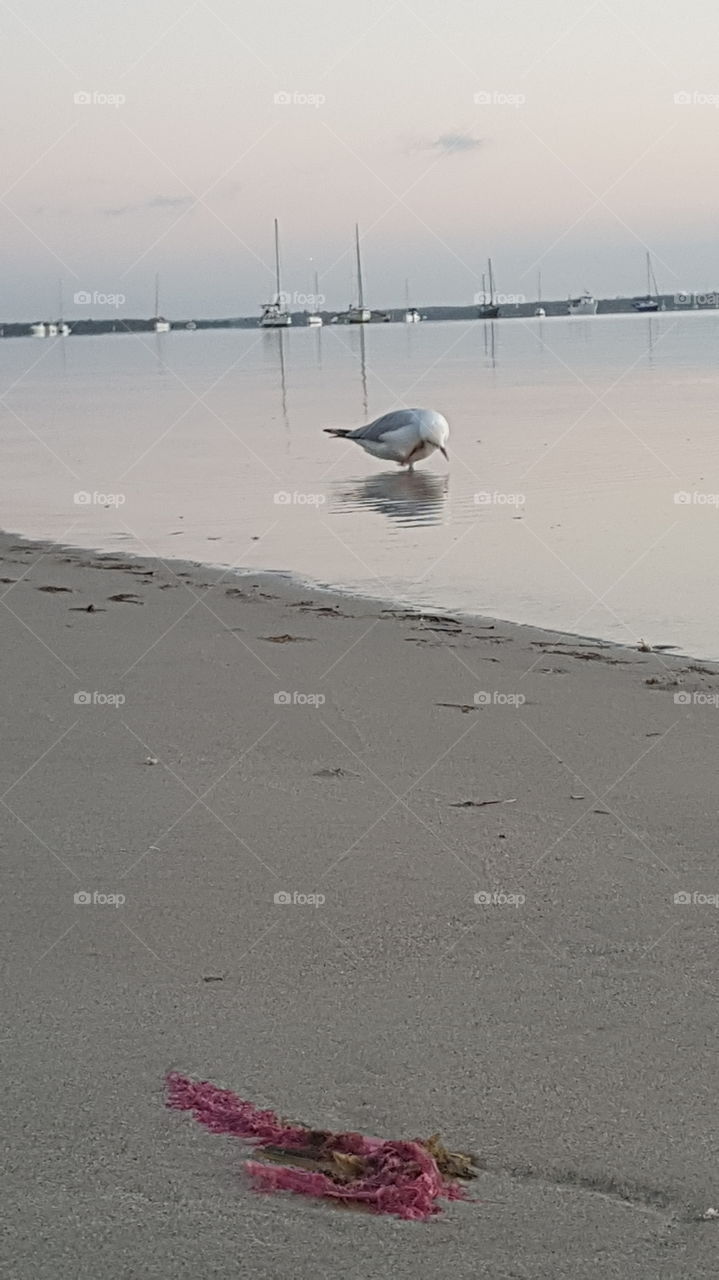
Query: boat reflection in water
{"type": "Point", "coordinates": [411, 498]}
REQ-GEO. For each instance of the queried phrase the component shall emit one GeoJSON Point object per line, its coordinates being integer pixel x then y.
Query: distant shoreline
{"type": "Point", "coordinates": [395, 315]}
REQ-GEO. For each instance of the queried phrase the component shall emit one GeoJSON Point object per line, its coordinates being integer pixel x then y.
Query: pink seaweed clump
{"type": "Point", "coordinates": [401, 1178]}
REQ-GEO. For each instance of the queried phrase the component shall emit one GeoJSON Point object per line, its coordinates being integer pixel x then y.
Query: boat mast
{"type": "Point", "coordinates": [157, 294]}
{"type": "Point", "coordinates": [491, 282]}
{"type": "Point", "coordinates": [360, 287]}
{"type": "Point", "coordinates": [277, 260]}
{"type": "Point", "coordinates": [649, 275]}
{"type": "Point", "coordinates": [539, 287]}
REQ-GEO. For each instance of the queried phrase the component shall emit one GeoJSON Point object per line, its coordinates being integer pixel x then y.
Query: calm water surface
{"type": "Point", "coordinates": [570, 440]}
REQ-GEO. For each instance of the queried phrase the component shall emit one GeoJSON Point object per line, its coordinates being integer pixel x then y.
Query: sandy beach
{"type": "Point", "coordinates": [180, 745]}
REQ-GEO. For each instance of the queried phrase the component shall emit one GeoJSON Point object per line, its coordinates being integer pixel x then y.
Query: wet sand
{"type": "Point", "coordinates": [565, 1030]}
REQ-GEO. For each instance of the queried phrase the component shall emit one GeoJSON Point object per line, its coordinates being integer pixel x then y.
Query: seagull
{"type": "Point", "coordinates": [404, 436]}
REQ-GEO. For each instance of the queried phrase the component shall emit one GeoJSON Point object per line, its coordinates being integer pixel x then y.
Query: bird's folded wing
{"type": "Point", "coordinates": [383, 426]}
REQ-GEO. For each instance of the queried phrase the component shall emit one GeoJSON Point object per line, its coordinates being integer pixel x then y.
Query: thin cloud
{"type": "Point", "coordinates": [157, 202]}
{"type": "Point", "coordinates": [451, 143]}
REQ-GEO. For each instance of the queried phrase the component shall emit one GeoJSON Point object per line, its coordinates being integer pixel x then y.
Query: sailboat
{"type": "Point", "coordinates": [650, 302]}
{"type": "Point", "coordinates": [359, 314]}
{"type": "Point", "coordinates": [62, 328]}
{"type": "Point", "coordinates": [50, 328]}
{"type": "Point", "coordinates": [539, 309]}
{"type": "Point", "coordinates": [275, 314]}
{"type": "Point", "coordinates": [411, 315]}
{"type": "Point", "coordinates": [488, 310]}
{"type": "Point", "coordinates": [315, 318]}
{"type": "Point", "coordinates": [159, 323]}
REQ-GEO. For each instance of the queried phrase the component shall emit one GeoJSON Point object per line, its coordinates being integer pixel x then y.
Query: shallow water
{"type": "Point", "coordinates": [570, 440]}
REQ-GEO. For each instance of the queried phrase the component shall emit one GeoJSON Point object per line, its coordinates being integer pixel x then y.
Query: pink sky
{"type": "Point", "coordinates": [546, 135]}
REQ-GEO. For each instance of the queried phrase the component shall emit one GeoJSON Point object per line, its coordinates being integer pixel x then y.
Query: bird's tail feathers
{"type": "Point", "coordinates": [336, 431]}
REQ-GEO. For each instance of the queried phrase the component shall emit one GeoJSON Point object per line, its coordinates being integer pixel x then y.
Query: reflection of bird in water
{"type": "Point", "coordinates": [404, 436]}
{"type": "Point", "coordinates": [408, 497]}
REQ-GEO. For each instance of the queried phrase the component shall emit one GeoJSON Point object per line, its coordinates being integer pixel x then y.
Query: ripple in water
{"type": "Point", "coordinates": [411, 498]}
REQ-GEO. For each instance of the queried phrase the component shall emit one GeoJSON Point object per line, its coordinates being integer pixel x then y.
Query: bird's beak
{"type": "Point", "coordinates": [444, 451]}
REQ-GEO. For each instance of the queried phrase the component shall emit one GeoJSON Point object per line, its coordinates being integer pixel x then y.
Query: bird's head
{"type": "Point", "coordinates": [436, 431]}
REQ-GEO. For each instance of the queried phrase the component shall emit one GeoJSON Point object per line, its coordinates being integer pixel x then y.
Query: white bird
{"type": "Point", "coordinates": [404, 436]}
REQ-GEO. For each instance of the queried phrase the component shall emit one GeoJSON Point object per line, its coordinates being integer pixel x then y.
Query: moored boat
{"type": "Point", "coordinates": [584, 305]}
{"type": "Point", "coordinates": [275, 314]}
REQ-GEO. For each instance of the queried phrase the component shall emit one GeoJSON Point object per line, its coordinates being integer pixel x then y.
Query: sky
{"type": "Point", "coordinates": [567, 137]}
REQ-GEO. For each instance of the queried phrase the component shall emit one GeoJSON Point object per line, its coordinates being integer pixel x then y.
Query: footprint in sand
{"type": "Point", "coordinates": [288, 639]}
